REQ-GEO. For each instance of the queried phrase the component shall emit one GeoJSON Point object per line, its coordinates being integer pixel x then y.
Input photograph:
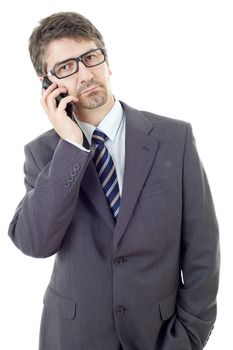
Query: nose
{"type": "Point", "coordinates": [84, 73]}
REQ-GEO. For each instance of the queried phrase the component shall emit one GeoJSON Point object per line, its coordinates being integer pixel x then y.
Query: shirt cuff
{"type": "Point", "coordinates": [78, 145]}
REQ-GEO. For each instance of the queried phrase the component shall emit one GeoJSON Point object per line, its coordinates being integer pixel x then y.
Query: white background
{"type": "Point", "coordinates": [172, 58]}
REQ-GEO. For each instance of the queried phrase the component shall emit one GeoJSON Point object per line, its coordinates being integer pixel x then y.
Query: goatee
{"type": "Point", "coordinates": [92, 99]}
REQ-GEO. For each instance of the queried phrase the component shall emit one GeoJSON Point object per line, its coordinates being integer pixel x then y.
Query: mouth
{"type": "Point", "coordinates": [90, 89]}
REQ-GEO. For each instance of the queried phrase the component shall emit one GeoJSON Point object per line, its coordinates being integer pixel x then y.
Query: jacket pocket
{"type": "Point", "coordinates": [159, 188]}
{"type": "Point", "coordinates": [59, 304]}
{"type": "Point", "coordinates": [167, 306]}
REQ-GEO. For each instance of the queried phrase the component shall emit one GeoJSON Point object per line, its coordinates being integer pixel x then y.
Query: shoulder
{"type": "Point", "coordinates": [42, 148]}
{"type": "Point", "coordinates": [164, 126]}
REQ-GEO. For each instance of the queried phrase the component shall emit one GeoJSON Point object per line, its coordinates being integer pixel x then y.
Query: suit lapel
{"type": "Point", "coordinates": [140, 150]}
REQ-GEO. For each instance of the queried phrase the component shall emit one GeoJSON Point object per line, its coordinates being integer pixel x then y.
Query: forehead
{"type": "Point", "coordinates": [61, 49]}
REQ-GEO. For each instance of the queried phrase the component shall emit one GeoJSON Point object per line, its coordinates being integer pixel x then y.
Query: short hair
{"type": "Point", "coordinates": [57, 26]}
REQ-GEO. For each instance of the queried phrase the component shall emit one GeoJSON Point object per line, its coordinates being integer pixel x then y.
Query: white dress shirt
{"type": "Point", "coordinates": [113, 125]}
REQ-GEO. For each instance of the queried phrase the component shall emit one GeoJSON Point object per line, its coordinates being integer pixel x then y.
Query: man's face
{"type": "Point", "coordinates": [90, 85]}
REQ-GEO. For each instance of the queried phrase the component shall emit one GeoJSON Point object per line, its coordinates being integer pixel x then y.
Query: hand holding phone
{"type": "Point", "coordinates": [69, 109]}
{"type": "Point", "coordinates": [65, 127]}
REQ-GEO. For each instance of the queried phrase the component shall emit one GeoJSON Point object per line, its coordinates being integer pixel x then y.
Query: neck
{"type": "Point", "coordinates": [93, 116]}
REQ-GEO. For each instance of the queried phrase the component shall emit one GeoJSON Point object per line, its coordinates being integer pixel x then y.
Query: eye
{"type": "Point", "coordinates": [89, 57]}
{"type": "Point", "coordinates": [65, 68]}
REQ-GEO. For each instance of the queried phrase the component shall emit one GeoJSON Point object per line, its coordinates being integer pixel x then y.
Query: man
{"type": "Point", "coordinates": [122, 198]}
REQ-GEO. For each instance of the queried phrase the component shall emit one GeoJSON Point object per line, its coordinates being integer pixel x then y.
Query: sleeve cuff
{"type": "Point", "coordinates": [78, 145]}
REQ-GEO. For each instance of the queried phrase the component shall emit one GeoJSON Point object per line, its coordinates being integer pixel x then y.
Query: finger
{"type": "Point", "coordinates": [50, 100]}
{"type": "Point", "coordinates": [65, 100]}
{"type": "Point", "coordinates": [46, 92]}
{"type": "Point", "coordinates": [58, 91]}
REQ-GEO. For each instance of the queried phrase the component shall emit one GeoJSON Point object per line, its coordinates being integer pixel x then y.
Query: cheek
{"type": "Point", "coordinates": [103, 74]}
{"type": "Point", "coordinates": [106, 77]}
{"type": "Point", "coordinates": [71, 87]}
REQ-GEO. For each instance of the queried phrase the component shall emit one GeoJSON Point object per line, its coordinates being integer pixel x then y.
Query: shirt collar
{"type": "Point", "coordinates": [109, 124]}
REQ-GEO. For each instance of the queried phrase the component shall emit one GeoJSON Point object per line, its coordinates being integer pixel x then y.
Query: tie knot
{"type": "Point", "coordinates": [98, 137]}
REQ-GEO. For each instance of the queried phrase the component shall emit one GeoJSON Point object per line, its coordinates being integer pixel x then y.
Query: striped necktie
{"type": "Point", "coordinates": [106, 171]}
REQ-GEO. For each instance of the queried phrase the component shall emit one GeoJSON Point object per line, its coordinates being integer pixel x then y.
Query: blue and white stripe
{"type": "Point", "coordinates": [106, 172]}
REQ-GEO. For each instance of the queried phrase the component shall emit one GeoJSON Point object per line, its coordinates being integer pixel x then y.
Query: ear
{"type": "Point", "coordinates": [41, 78]}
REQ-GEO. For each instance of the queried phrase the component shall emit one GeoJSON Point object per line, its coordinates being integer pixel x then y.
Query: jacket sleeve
{"type": "Point", "coordinates": [44, 214]}
{"type": "Point", "coordinates": [196, 300]}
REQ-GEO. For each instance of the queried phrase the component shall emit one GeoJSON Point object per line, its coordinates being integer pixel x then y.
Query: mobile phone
{"type": "Point", "coordinates": [69, 109]}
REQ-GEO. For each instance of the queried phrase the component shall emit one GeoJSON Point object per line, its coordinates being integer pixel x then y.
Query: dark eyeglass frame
{"type": "Point", "coordinates": [78, 59]}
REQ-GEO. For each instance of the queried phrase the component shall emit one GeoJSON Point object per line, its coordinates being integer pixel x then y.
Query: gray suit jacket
{"type": "Point", "coordinates": [150, 282]}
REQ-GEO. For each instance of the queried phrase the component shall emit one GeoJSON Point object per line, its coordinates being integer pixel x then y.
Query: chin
{"type": "Point", "coordinates": [93, 102]}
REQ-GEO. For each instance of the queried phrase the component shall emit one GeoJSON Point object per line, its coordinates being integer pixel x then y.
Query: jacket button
{"type": "Point", "coordinates": [73, 173]}
{"type": "Point", "coordinates": [119, 261]}
{"type": "Point", "coordinates": [76, 167]}
{"type": "Point", "coordinates": [66, 184]}
{"type": "Point", "coordinates": [69, 179]}
{"type": "Point", "coordinates": [120, 310]}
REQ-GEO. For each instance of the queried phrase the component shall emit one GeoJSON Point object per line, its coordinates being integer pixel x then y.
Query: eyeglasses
{"type": "Point", "coordinates": [69, 67]}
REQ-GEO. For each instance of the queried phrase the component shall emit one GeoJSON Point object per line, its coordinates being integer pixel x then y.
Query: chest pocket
{"type": "Point", "coordinates": [159, 188]}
